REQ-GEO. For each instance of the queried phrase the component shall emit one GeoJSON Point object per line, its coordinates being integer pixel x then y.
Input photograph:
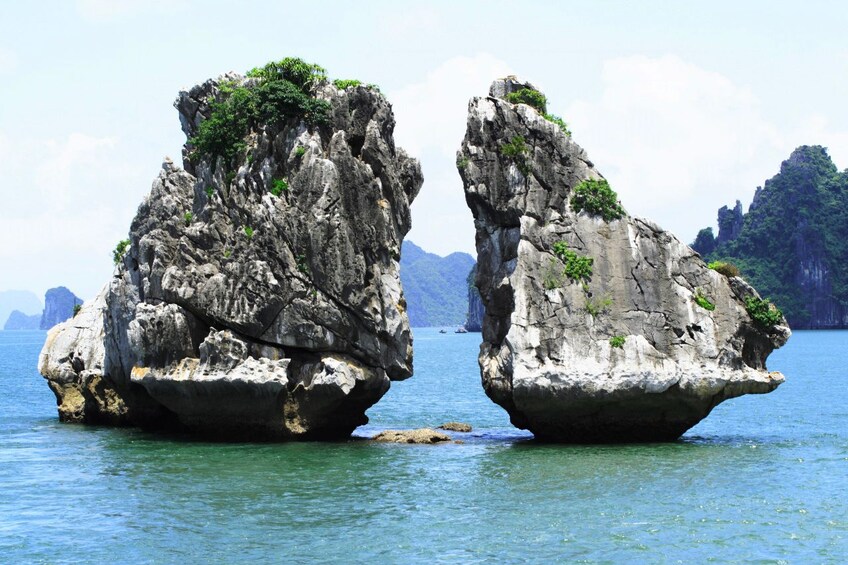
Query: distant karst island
{"type": "Point", "coordinates": [59, 305]}
{"type": "Point", "coordinates": [792, 244]}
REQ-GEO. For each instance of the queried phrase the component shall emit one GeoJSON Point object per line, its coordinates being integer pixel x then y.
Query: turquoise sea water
{"type": "Point", "coordinates": [763, 479]}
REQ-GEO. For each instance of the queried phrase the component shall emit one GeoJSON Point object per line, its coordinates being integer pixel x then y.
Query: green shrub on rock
{"type": "Point", "coordinates": [617, 341]}
{"type": "Point", "coordinates": [346, 83]}
{"type": "Point", "coordinates": [726, 269]}
{"type": "Point", "coordinates": [597, 198]}
{"type": "Point", "coordinates": [530, 97]}
{"type": "Point", "coordinates": [703, 301]}
{"type": "Point", "coordinates": [517, 151]}
{"type": "Point", "coordinates": [282, 91]}
{"type": "Point", "coordinates": [558, 121]}
{"type": "Point", "coordinates": [120, 250]}
{"type": "Point", "coordinates": [763, 312]}
{"type": "Point", "coordinates": [279, 186]}
{"type": "Point", "coordinates": [577, 267]}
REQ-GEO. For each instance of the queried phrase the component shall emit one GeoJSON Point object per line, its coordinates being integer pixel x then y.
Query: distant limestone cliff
{"type": "Point", "coordinates": [434, 286]}
{"type": "Point", "coordinates": [59, 305]}
{"type": "Point", "coordinates": [793, 242]}
{"type": "Point", "coordinates": [19, 321]}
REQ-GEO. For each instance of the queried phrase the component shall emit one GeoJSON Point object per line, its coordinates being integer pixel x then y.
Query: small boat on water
{"type": "Point", "coordinates": [461, 330]}
{"type": "Point", "coordinates": [443, 331]}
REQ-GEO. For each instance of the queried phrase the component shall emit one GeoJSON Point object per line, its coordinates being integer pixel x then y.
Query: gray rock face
{"type": "Point", "coordinates": [241, 313]}
{"type": "Point", "coordinates": [476, 310]}
{"type": "Point", "coordinates": [547, 355]}
{"type": "Point", "coordinates": [729, 223]}
{"type": "Point", "coordinates": [59, 305]}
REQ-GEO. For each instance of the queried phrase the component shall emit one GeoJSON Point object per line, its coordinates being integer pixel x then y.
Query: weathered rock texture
{"type": "Point", "coordinates": [545, 358]}
{"type": "Point", "coordinates": [476, 310]}
{"type": "Point", "coordinates": [245, 314]}
{"type": "Point", "coordinates": [422, 435]}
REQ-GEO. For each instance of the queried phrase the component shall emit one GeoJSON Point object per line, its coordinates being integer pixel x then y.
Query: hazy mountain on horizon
{"type": "Point", "coordinates": [22, 300]}
{"type": "Point", "coordinates": [435, 287]}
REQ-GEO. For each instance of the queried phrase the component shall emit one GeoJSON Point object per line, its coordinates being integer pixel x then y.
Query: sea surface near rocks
{"type": "Point", "coordinates": [764, 478]}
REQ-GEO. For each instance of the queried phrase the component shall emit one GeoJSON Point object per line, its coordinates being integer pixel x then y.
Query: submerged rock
{"type": "Point", "coordinates": [423, 435]}
{"type": "Point", "coordinates": [456, 427]}
{"type": "Point", "coordinates": [258, 294]}
{"type": "Point", "coordinates": [598, 326]}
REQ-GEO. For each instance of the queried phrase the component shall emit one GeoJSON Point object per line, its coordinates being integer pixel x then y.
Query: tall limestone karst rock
{"type": "Point", "coordinates": [258, 294]}
{"type": "Point", "coordinates": [598, 326]}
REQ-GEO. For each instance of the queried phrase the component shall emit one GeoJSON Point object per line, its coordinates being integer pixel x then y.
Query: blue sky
{"type": "Point", "coordinates": [684, 106]}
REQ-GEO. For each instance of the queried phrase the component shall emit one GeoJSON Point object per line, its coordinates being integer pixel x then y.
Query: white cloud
{"type": "Point", "coordinates": [66, 201]}
{"type": "Point", "coordinates": [676, 141]}
{"type": "Point", "coordinates": [110, 10]}
{"type": "Point", "coordinates": [8, 61]}
{"type": "Point", "coordinates": [431, 119]}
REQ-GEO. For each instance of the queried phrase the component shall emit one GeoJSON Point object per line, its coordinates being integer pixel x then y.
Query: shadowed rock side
{"type": "Point", "coordinates": [247, 312]}
{"type": "Point", "coordinates": [626, 354]}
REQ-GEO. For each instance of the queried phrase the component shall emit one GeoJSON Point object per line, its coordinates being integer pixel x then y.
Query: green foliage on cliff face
{"type": "Point", "coordinates": [577, 267]}
{"type": "Point", "coordinates": [77, 308]}
{"type": "Point", "coordinates": [617, 341]}
{"type": "Point", "coordinates": [703, 301]}
{"type": "Point", "coordinates": [558, 121]}
{"type": "Point", "coordinates": [517, 151]}
{"type": "Point", "coordinates": [120, 250]}
{"type": "Point", "coordinates": [279, 186]}
{"type": "Point", "coordinates": [282, 91]}
{"type": "Point", "coordinates": [723, 268]}
{"type": "Point", "coordinates": [793, 243]}
{"type": "Point", "coordinates": [346, 83]}
{"type": "Point", "coordinates": [597, 198]}
{"type": "Point", "coordinates": [763, 312]}
{"type": "Point", "coordinates": [530, 97]}
{"type": "Point", "coordinates": [538, 101]}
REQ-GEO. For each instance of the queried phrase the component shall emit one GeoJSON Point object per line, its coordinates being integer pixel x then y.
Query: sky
{"type": "Point", "coordinates": [683, 106]}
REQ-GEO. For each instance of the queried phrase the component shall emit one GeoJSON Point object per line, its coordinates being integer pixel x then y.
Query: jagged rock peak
{"type": "Point", "coordinates": [258, 293]}
{"type": "Point", "coordinates": [598, 326]}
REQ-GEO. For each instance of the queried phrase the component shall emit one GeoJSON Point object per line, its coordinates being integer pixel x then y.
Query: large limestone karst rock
{"type": "Point", "coordinates": [625, 353]}
{"type": "Point", "coordinates": [258, 294]}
